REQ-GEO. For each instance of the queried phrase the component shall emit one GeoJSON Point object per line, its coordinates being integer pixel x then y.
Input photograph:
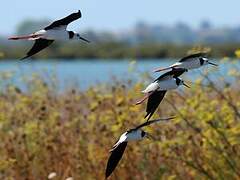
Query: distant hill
{"type": "Point", "coordinates": [142, 32]}
{"type": "Point", "coordinates": [141, 41]}
{"type": "Point", "coordinates": [181, 33]}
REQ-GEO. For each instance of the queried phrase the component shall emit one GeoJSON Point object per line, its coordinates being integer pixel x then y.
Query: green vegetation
{"type": "Point", "coordinates": [70, 133]}
{"type": "Point", "coordinates": [115, 50]}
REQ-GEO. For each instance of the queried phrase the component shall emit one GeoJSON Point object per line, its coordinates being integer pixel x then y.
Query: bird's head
{"type": "Point", "coordinates": [205, 61]}
{"type": "Point", "coordinates": [179, 82]}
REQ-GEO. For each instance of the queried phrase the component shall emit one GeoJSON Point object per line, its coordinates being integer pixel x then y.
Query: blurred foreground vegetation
{"type": "Point", "coordinates": [113, 50]}
{"type": "Point", "coordinates": [44, 131]}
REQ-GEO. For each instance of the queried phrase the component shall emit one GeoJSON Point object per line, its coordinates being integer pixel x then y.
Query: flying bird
{"type": "Point", "coordinates": [55, 31]}
{"type": "Point", "coordinates": [118, 149]}
{"type": "Point", "coordinates": [156, 91]}
{"type": "Point", "coordinates": [189, 62]}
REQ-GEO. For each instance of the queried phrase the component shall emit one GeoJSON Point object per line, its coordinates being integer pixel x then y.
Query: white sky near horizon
{"type": "Point", "coordinates": [121, 14]}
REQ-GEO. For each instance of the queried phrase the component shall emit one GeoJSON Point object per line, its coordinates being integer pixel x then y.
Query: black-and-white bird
{"type": "Point", "coordinates": [190, 62]}
{"type": "Point", "coordinates": [156, 91]}
{"type": "Point", "coordinates": [55, 31]}
{"type": "Point", "coordinates": [118, 149]}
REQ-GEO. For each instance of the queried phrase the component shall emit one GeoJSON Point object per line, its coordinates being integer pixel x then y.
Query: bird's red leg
{"type": "Point", "coordinates": [143, 99]}
{"type": "Point", "coordinates": [161, 69]}
{"type": "Point", "coordinates": [24, 37]}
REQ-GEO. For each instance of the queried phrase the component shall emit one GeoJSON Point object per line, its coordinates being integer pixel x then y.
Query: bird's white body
{"type": "Point", "coordinates": [130, 136]}
{"type": "Point", "coordinates": [54, 34]}
{"type": "Point", "coordinates": [190, 64]}
{"type": "Point", "coordinates": [168, 84]}
{"type": "Point", "coordinates": [134, 135]}
{"type": "Point", "coordinates": [161, 85]}
{"type": "Point", "coordinates": [151, 87]}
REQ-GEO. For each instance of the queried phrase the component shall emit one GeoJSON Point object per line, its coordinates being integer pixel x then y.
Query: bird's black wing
{"type": "Point", "coordinates": [114, 158]}
{"type": "Point", "coordinates": [39, 45]}
{"type": "Point", "coordinates": [201, 54]}
{"type": "Point", "coordinates": [178, 72]}
{"type": "Point", "coordinates": [153, 121]}
{"type": "Point", "coordinates": [174, 73]}
{"type": "Point", "coordinates": [153, 102]}
{"type": "Point", "coordinates": [65, 21]}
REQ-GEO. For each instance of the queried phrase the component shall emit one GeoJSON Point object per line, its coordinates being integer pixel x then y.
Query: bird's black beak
{"type": "Point", "coordinates": [84, 39]}
{"type": "Point", "coordinates": [186, 85]}
{"type": "Point", "coordinates": [212, 64]}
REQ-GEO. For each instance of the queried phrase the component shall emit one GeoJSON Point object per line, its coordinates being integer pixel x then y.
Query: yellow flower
{"type": "Point", "coordinates": [2, 54]}
{"type": "Point", "coordinates": [237, 53]}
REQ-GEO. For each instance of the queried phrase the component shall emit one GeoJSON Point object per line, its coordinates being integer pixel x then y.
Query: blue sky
{"type": "Point", "coordinates": [120, 14]}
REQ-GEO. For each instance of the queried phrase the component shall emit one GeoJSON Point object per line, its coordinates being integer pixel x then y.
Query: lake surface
{"type": "Point", "coordinates": [86, 73]}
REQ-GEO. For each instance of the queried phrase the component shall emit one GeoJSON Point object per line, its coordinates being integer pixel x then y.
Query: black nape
{"type": "Point", "coordinates": [71, 34]}
{"type": "Point", "coordinates": [201, 61]}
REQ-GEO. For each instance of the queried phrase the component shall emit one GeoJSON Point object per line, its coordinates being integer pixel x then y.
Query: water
{"type": "Point", "coordinates": [86, 73]}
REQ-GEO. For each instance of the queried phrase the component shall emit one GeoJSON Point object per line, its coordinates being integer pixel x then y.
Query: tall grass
{"type": "Point", "coordinates": [69, 133]}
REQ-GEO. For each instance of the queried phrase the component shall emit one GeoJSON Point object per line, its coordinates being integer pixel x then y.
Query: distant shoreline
{"type": "Point", "coordinates": [118, 51]}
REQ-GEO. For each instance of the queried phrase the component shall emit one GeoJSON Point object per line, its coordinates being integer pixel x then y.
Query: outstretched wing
{"type": "Point", "coordinates": [153, 121]}
{"type": "Point", "coordinates": [174, 73]}
{"type": "Point", "coordinates": [62, 23]}
{"type": "Point", "coordinates": [201, 54]}
{"type": "Point", "coordinates": [114, 158]}
{"type": "Point", "coordinates": [153, 102]}
{"type": "Point", "coordinates": [39, 45]}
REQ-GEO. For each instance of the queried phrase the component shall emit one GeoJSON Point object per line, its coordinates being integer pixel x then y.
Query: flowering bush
{"type": "Point", "coordinates": [69, 133]}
